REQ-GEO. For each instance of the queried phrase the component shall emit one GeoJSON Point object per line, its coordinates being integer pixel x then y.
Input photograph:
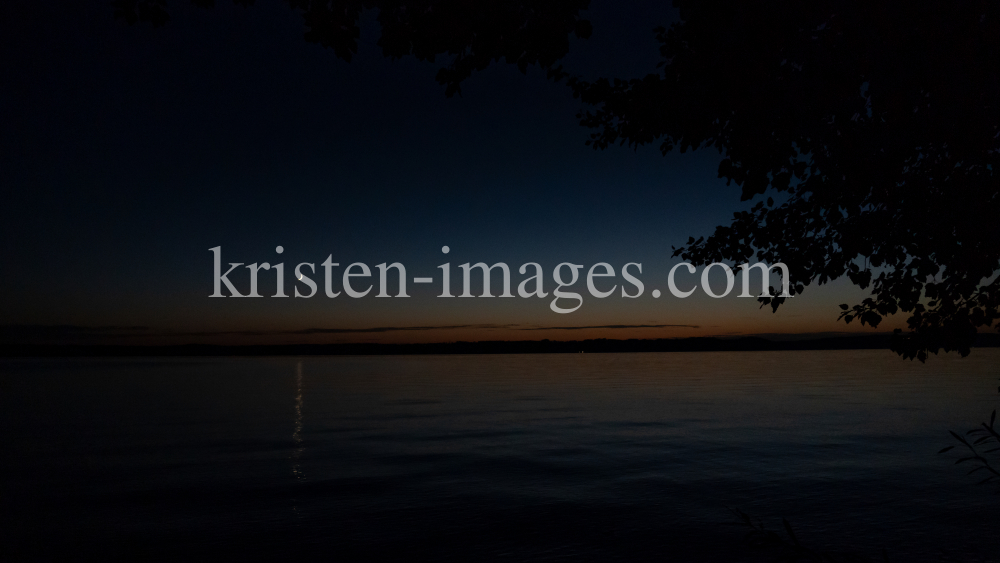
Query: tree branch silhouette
{"type": "Point", "coordinates": [473, 34]}
{"type": "Point", "coordinates": [868, 133]}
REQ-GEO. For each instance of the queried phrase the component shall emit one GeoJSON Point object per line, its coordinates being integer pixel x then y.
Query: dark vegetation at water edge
{"type": "Point", "coordinates": [976, 442]}
{"type": "Point", "coordinates": [980, 450]}
{"type": "Point", "coordinates": [601, 345]}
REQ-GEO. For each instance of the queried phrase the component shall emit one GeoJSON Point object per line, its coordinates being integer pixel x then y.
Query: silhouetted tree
{"type": "Point", "coordinates": [867, 131]}
{"type": "Point", "coordinates": [873, 124]}
{"type": "Point", "coordinates": [473, 33]}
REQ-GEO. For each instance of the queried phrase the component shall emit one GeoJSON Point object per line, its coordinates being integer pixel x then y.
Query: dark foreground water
{"type": "Point", "coordinates": [586, 457]}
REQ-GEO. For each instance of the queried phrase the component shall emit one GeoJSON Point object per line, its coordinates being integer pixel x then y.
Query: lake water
{"type": "Point", "coordinates": [574, 457]}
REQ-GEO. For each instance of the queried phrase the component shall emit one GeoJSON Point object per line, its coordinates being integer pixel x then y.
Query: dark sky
{"type": "Point", "coordinates": [127, 152]}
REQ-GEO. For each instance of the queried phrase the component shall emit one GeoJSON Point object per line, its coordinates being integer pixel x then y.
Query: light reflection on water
{"type": "Point", "coordinates": [297, 433]}
{"type": "Point", "coordinates": [531, 457]}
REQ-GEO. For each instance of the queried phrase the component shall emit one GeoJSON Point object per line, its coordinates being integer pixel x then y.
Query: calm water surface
{"type": "Point", "coordinates": [585, 457]}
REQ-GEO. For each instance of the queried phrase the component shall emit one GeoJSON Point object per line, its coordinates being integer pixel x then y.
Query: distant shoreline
{"type": "Point", "coordinates": [594, 346]}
